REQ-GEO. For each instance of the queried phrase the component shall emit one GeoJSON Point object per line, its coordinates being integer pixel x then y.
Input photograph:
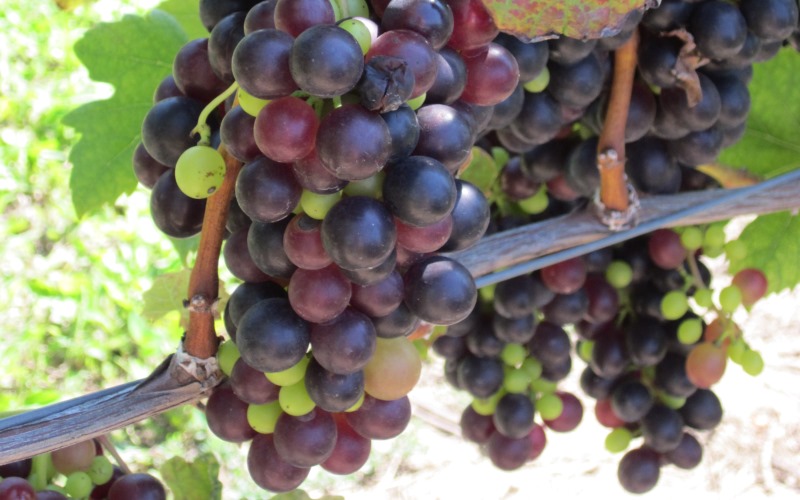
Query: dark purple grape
{"type": "Point", "coordinates": [688, 454]}
{"type": "Point", "coordinates": [271, 336]}
{"type": "Point", "coordinates": [670, 15]}
{"type": "Point", "coordinates": [513, 416]}
{"type": "Point", "coordinates": [639, 470]}
{"type": "Point", "coordinates": [700, 116]}
{"type": "Point", "coordinates": [261, 64]}
{"type": "Point", "coordinates": [518, 331]}
{"type": "Point", "coordinates": [212, 11]}
{"type": "Point", "coordinates": [236, 131]}
{"type": "Point", "coordinates": [651, 167]}
{"type": "Point", "coordinates": [770, 19]}
{"type": "Point", "coordinates": [516, 297]}
{"type": "Point", "coordinates": [137, 486]}
{"type": "Point", "coordinates": [697, 148]}
{"type": "Point", "coordinates": [297, 16]}
{"type": "Point", "coordinates": [166, 89]}
{"type": "Point", "coordinates": [471, 215]}
{"type": "Point", "coordinates": [481, 377]}
{"type": "Point", "coordinates": [658, 58]}
{"type": "Point", "coordinates": [307, 440]}
{"type": "Point", "coordinates": [268, 470]}
{"type": "Point", "coordinates": [440, 290]}
{"type": "Point", "coordinates": [314, 176]}
{"type": "Point", "coordinates": [483, 342]}
{"type": "Point", "coordinates": [567, 308]}
{"type": "Point", "coordinates": [174, 213]}
{"type": "Point", "coordinates": [265, 246]}
{"type": "Point", "coordinates": [379, 419]}
{"type": "Point", "coordinates": [662, 428]}
{"type": "Point", "coordinates": [515, 182]}
{"type": "Point", "coordinates": [508, 109]}
{"type": "Point", "coordinates": [331, 391]}
{"type": "Point", "coordinates": [430, 18]}
{"type": "Point", "coordinates": [646, 341]}
{"type": "Point", "coordinates": [167, 127]}
{"type": "Point", "coordinates": [326, 61]}
{"type": "Point", "coordinates": [508, 453]}
{"type": "Point", "coordinates": [492, 76]}
{"type": "Point", "coordinates": [146, 168]}
{"type": "Point", "coordinates": [476, 427]}
{"type": "Point", "coordinates": [224, 38]}
{"type": "Point", "coordinates": [449, 347]}
{"type": "Point", "coordinates": [371, 275]}
{"type": "Point", "coordinates": [582, 174]}
{"type": "Point", "coordinates": [603, 299]}
{"type": "Point", "coordinates": [261, 16]}
{"type": "Point", "coordinates": [571, 415]}
{"type": "Point", "coordinates": [531, 57]}
{"type": "Point", "coordinates": [451, 78]}
{"type": "Point", "coordinates": [20, 468]}
{"type": "Point", "coordinates": [419, 190]}
{"type": "Point", "coordinates": [719, 29]}
{"type": "Point", "coordinates": [400, 322]}
{"type": "Point", "coordinates": [631, 400]}
{"type": "Point", "coordinates": [566, 50]}
{"type": "Point", "coordinates": [345, 344]}
{"type": "Point", "coordinates": [358, 233]}
{"type": "Point", "coordinates": [193, 74]}
{"type": "Point", "coordinates": [404, 130]}
{"type": "Point", "coordinates": [576, 84]}
{"type": "Point", "coordinates": [444, 135]}
{"type": "Point", "coordinates": [251, 386]}
{"type": "Point", "coordinates": [702, 410]}
{"type": "Point", "coordinates": [379, 299]}
{"type": "Point", "coordinates": [353, 143]}
{"type": "Point", "coordinates": [267, 191]}
{"type": "Point", "coordinates": [609, 356]}
{"type": "Point", "coordinates": [350, 452]}
{"type": "Point", "coordinates": [734, 98]}
{"type": "Point", "coordinates": [227, 416]}
{"type": "Point", "coordinates": [671, 376]}
{"type": "Point", "coordinates": [556, 370]}
{"type": "Point", "coordinates": [540, 119]}
{"type": "Point", "coordinates": [549, 343]}
{"type": "Point", "coordinates": [596, 386]}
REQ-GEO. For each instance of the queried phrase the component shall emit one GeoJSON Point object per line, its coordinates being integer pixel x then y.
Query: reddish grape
{"type": "Point", "coordinates": [16, 488]}
{"type": "Point", "coordinates": [305, 441]}
{"type": "Point", "coordinates": [752, 283]}
{"type": "Point", "coordinates": [393, 370]}
{"type": "Point", "coordinates": [380, 419]}
{"type": "Point", "coordinates": [251, 386]}
{"type": "Point", "coordinates": [137, 487]}
{"type": "Point", "coordinates": [509, 453]}
{"type": "Point", "coordinates": [268, 470]}
{"type": "Point", "coordinates": [538, 441]}
{"type": "Point", "coordinates": [286, 129]}
{"type": "Point", "coordinates": [415, 50]}
{"type": "Point", "coordinates": [227, 416]}
{"type": "Point", "coordinates": [492, 76]}
{"type": "Point", "coordinates": [473, 26]}
{"type": "Point", "coordinates": [665, 249]}
{"type": "Point", "coordinates": [605, 414]}
{"type": "Point", "coordinates": [319, 296]}
{"type": "Point", "coordinates": [424, 239]}
{"type": "Point", "coordinates": [379, 299]}
{"type": "Point", "coordinates": [350, 452]}
{"type": "Point", "coordinates": [302, 242]}
{"type": "Point", "coordinates": [476, 427]}
{"type": "Point", "coordinates": [565, 277]}
{"type": "Point", "coordinates": [296, 16]}
{"type": "Point", "coordinates": [705, 364]}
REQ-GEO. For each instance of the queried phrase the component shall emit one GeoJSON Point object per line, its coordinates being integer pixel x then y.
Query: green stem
{"type": "Point", "coordinates": [202, 127]}
{"type": "Point", "coordinates": [337, 101]}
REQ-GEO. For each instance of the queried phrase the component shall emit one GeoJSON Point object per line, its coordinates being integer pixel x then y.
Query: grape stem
{"type": "Point", "coordinates": [109, 446]}
{"type": "Point", "coordinates": [201, 338]}
{"type": "Point", "coordinates": [616, 195]}
{"type": "Point", "coordinates": [202, 128]}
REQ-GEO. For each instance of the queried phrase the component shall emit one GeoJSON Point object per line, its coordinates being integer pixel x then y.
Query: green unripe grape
{"type": "Point", "coordinates": [486, 406]}
{"type": "Point", "coordinates": [537, 203]}
{"type": "Point", "coordinates": [349, 8]}
{"type": "Point", "coordinates": [357, 404]}
{"type": "Point", "coordinates": [101, 470]}
{"type": "Point", "coordinates": [730, 298]}
{"type": "Point", "coordinates": [673, 402]}
{"type": "Point", "coordinates": [543, 386]}
{"type": "Point", "coordinates": [291, 375]}
{"type": "Point", "coordinates": [200, 171]}
{"type": "Point", "coordinates": [692, 238]}
{"type": "Point", "coordinates": [318, 205]}
{"type": "Point", "coordinates": [359, 31]}
{"type": "Point", "coordinates": [619, 274]}
{"type": "Point", "coordinates": [735, 250]}
{"type": "Point", "coordinates": [736, 351]}
{"type": "Point", "coordinates": [533, 366]}
{"type": "Point", "coordinates": [262, 418]}
{"type": "Point", "coordinates": [227, 356]}
{"type": "Point", "coordinates": [703, 298]}
{"type": "Point", "coordinates": [513, 354]}
{"type": "Point", "coordinates": [713, 252]}
{"type": "Point", "coordinates": [416, 102]}
{"type": "Point", "coordinates": [714, 237]}
{"type": "Point", "coordinates": [690, 331]}
{"type": "Point", "coordinates": [79, 485]}
{"type": "Point", "coordinates": [371, 186]}
{"type": "Point", "coordinates": [585, 348]}
{"type": "Point", "coordinates": [487, 293]}
{"type": "Point", "coordinates": [752, 362]}
{"type": "Point", "coordinates": [251, 105]}
{"type": "Point", "coordinates": [549, 406]}
{"type": "Point", "coordinates": [618, 440]}
{"type": "Point", "coordinates": [516, 381]}
{"type": "Point", "coordinates": [294, 399]}
{"type": "Point", "coordinates": [539, 83]}
{"type": "Point", "coordinates": [674, 305]}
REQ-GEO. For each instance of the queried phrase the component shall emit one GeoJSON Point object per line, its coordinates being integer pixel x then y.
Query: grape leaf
{"type": "Point", "coordinates": [193, 480]}
{"type": "Point", "coordinates": [167, 294]}
{"type": "Point", "coordinates": [770, 145]}
{"type": "Point", "coordinates": [582, 19]}
{"type": "Point", "coordinates": [186, 13]}
{"type": "Point", "coordinates": [133, 54]}
{"type": "Point", "coordinates": [773, 245]}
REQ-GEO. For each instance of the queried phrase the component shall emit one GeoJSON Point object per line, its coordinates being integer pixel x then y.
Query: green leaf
{"type": "Point", "coordinates": [770, 145]}
{"type": "Point", "coordinates": [539, 19]}
{"type": "Point", "coordinates": [773, 245]}
{"type": "Point", "coordinates": [186, 13]}
{"type": "Point", "coordinates": [134, 55]}
{"type": "Point", "coordinates": [185, 246]}
{"type": "Point", "coordinates": [193, 480]}
{"type": "Point", "coordinates": [482, 171]}
{"type": "Point", "coordinates": [166, 295]}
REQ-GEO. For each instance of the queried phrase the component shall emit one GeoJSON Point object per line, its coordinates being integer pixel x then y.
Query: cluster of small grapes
{"type": "Point", "coordinates": [511, 366]}
{"type": "Point", "coordinates": [652, 360]}
{"type": "Point", "coordinates": [89, 474]}
{"type": "Point", "coordinates": [352, 121]}
{"type": "Point", "coordinates": [690, 98]}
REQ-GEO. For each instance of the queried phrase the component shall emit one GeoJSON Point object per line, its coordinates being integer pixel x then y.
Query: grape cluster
{"type": "Point", "coordinates": [80, 470]}
{"type": "Point", "coordinates": [356, 122]}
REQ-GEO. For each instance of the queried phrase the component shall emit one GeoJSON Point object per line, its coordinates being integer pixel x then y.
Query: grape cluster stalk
{"type": "Point", "coordinates": [350, 129]}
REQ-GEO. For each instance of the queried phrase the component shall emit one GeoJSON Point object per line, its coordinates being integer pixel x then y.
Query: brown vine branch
{"type": "Point", "coordinates": [201, 338]}
{"type": "Point", "coordinates": [611, 145]}
{"type": "Point", "coordinates": [79, 419]}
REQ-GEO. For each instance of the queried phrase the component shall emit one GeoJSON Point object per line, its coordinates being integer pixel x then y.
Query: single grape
{"type": "Point", "coordinates": [692, 238]}
{"type": "Point", "coordinates": [101, 470]}
{"type": "Point", "coordinates": [73, 458]}
{"type": "Point", "coordinates": [262, 418]}
{"type": "Point", "coordinates": [703, 297]}
{"type": "Point", "coordinates": [549, 406]}
{"type": "Point", "coordinates": [227, 355]}
{"type": "Point", "coordinates": [618, 440]}
{"type": "Point", "coordinates": [752, 362]}
{"type": "Point", "coordinates": [137, 487]}
{"type": "Point", "coordinates": [730, 298]}
{"type": "Point", "coordinates": [690, 331]}
{"type": "Point", "coordinates": [393, 370]}
{"type": "Point", "coordinates": [752, 283]}
{"type": "Point", "coordinates": [516, 381]}
{"type": "Point", "coordinates": [294, 399]}
{"type": "Point", "coordinates": [705, 364]}
{"type": "Point", "coordinates": [619, 274]}
{"type": "Point", "coordinates": [78, 484]}
{"type": "Point", "coordinates": [513, 354]}
{"type": "Point", "coordinates": [674, 305]}
{"type": "Point", "coordinates": [251, 105]}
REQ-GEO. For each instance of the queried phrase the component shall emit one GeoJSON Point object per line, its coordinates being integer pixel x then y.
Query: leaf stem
{"type": "Point", "coordinates": [201, 338]}
{"type": "Point", "coordinates": [202, 127]}
{"type": "Point", "coordinates": [611, 145]}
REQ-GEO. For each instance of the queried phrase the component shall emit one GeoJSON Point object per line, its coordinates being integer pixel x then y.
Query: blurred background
{"type": "Point", "coordinates": [71, 300]}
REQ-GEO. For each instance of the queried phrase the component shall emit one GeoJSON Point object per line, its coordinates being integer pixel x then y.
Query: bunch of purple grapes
{"type": "Point", "coordinates": [86, 473]}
